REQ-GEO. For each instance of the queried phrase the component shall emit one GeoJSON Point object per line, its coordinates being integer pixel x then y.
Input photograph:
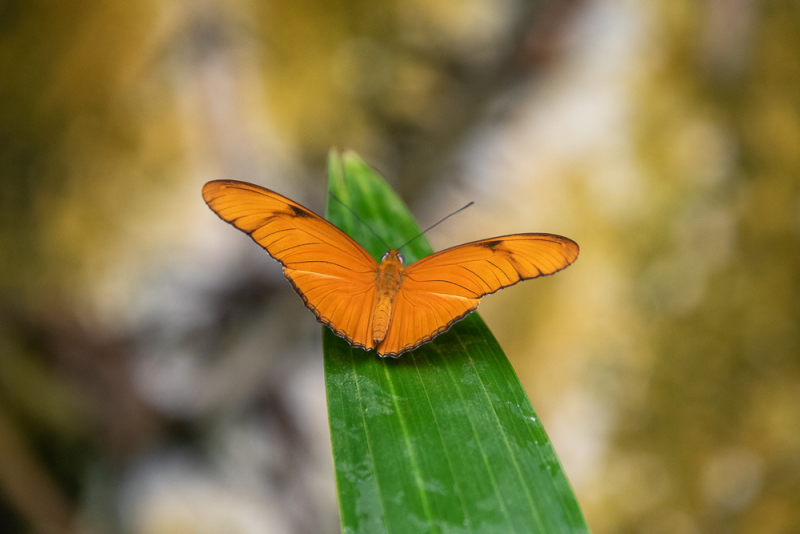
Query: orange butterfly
{"type": "Point", "coordinates": [387, 307]}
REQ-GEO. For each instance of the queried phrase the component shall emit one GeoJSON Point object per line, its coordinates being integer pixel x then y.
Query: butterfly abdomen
{"type": "Point", "coordinates": [388, 282]}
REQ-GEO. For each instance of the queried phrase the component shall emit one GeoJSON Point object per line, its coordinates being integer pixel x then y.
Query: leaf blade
{"type": "Point", "coordinates": [443, 438]}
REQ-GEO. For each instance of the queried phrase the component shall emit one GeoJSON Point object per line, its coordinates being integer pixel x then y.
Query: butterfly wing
{"type": "Point", "coordinates": [445, 287]}
{"type": "Point", "coordinates": [333, 274]}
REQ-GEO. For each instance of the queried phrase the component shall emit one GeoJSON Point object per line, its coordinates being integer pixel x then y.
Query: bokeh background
{"type": "Point", "coordinates": [157, 373]}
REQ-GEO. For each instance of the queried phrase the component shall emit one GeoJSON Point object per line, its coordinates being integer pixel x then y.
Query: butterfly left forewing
{"type": "Point", "coordinates": [332, 273]}
{"type": "Point", "coordinates": [443, 288]}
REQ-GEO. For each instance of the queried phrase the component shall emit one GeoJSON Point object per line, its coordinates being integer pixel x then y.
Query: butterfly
{"type": "Point", "coordinates": [387, 307]}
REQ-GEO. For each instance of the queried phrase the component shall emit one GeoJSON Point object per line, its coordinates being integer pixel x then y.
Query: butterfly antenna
{"type": "Point", "coordinates": [435, 225]}
{"type": "Point", "coordinates": [368, 227]}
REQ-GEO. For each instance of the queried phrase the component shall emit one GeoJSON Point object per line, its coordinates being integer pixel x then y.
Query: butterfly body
{"type": "Point", "coordinates": [386, 306]}
{"type": "Point", "coordinates": [390, 277]}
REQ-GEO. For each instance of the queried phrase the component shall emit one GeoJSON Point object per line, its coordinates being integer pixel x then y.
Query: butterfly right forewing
{"type": "Point", "coordinates": [332, 273]}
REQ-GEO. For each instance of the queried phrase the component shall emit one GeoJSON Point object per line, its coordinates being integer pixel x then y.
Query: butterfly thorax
{"type": "Point", "coordinates": [388, 281]}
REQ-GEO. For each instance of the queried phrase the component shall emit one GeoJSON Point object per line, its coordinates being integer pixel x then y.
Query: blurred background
{"type": "Point", "coordinates": [158, 374]}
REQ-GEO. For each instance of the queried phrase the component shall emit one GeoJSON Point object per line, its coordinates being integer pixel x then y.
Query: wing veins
{"type": "Point", "coordinates": [446, 282]}
{"type": "Point", "coordinates": [476, 274]}
{"type": "Point", "coordinates": [321, 261]}
{"type": "Point", "coordinates": [295, 246]}
{"type": "Point", "coordinates": [490, 262]}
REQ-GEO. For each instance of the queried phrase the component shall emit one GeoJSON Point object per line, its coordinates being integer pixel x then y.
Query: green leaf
{"type": "Point", "coordinates": [444, 438]}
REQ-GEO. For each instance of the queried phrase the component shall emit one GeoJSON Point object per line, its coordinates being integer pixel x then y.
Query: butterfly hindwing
{"type": "Point", "coordinates": [333, 274]}
{"type": "Point", "coordinates": [443, 288]}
